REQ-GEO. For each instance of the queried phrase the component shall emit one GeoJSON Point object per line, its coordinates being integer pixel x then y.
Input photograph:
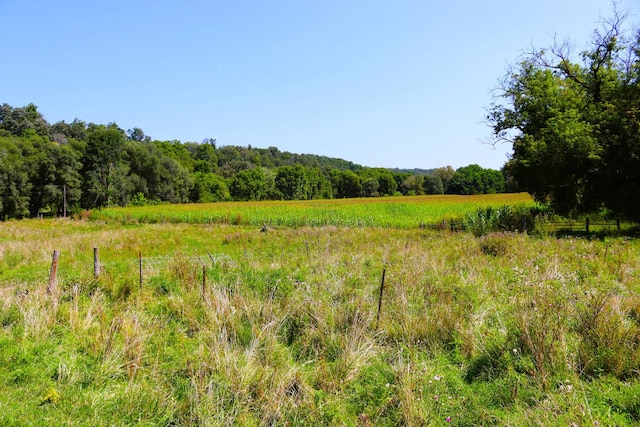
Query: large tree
{"type": "Point", "coordinates": [291, 182]}
{"type": "Point", "coordinates": [102, 168]}
{"type": "Point", "coordinates": [346, 184]}
{"type": "Point", "coordinates": [432, 184]}
{"type": "Point", "coordinates": [574, 122]}
{"type": "Point", "coordinates": [249, 184]}
{"type": "Point", "coordinates": [15, 187]}
{"type": "Point", "coordinates": [378, 182]}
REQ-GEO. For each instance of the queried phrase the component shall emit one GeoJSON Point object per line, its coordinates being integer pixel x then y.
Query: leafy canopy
{"type": "Point", "coordinates": [574, 124]}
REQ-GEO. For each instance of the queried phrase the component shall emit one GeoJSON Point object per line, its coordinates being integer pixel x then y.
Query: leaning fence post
{"type": "Point", "coordinates": [96, 263]}
{"type": "Point", "coordinates": [213, 260]}
{"type": "Point", "coordinates": [140, 262]}
{"type": "Point", "coordinates": [204, 280]}
{"type": "Point", "coordinates": [53, 273]}
{"type": "Point", "coordinates": [380, 299]}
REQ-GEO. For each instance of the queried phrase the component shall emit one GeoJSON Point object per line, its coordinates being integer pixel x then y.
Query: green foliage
{"type": "Point", "coordinates": [208, 187]}
{"type": "Point", "coordinates": [292, 183]}
{"type": "Point", "coordinates": [45, 169]}
{"type": "Point", "coordinates": [432, 184]}
{"type": "Point", "coordinates": [15, 187]}
{"type": "Point", "coordinates": [139, 200]}
{"type": "Point", "coordinates": [400, 212]}
{"type": "Point", "coordinates": [63, 132]}
{"type": "Point", "coordinates": [621, 399]}
{"type": "Point", "coordinates": [137, 134]}
{"type": "Point", "coordinates": [346, 184]}
{"type": "Point", "coordinates": [206, 159]}
{"type": "Point", "coordinates": [445, 174]}
{"type": "Point", "coordinates": [609, 338]}
{"type": "Point", "coordinates": [507, 218]}
{"type": "Point", "coordinates": [102, 167]}
{"type": "Point", "coordinates": [373, 395]}
{"type": "Point", "coordinates": [377, 182]}
{"type": "Point", "coordinates": [573, 125]}
{"type": "Point", "coordinates": [249, 184]}
{"type": "Point", "coordinates": [413, 185]}
{"type": "Point", "coordinates": [21, 120]}
{"type": "Point", "coordinates": [473, 179]}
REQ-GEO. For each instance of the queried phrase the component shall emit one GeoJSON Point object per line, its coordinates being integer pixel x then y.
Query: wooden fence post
{"type": "Point", "coordinates": [380, 299]}
{"type": "Point", "coordinates": [140, 262]}
{"type": "Point", "coordinates": [586, 223]}
{"type": "Point", "coordinates": [96, 263]}
{"type": "Point", "coordinates": [53, 273]}
{"type": "Point", "coordinates": [204, 281]}
{"type": "Point", "coordinates": [213, 260]}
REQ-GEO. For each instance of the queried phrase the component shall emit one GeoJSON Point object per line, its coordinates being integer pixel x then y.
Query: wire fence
{"type": "Point", "coordinates": [60, 271]}
{"type": "Point", "coordinates": [156, 265]}
{"type": "Point", "coordinates": [585, 225]}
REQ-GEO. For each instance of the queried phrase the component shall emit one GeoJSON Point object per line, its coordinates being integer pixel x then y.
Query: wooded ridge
{"type": "Point", "coordinates": [73, 166]}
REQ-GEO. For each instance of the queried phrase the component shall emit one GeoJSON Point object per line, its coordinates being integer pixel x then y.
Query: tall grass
{"type": "Point", "coordinates": [497, 329]}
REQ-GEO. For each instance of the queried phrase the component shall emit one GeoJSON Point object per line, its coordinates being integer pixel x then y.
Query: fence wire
{"type": "Point", "coordinates": [158, 264]}
{"type": "Point", "coordinates": [154, 265]}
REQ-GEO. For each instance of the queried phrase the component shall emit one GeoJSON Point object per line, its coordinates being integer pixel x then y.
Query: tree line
{"type": "Point", "coordinates": [45, 168]}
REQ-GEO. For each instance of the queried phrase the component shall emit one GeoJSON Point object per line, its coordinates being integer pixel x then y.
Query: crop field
{"type": "Point", "coordinates": [394, 212]}
{"type": "Point", "coordinates": [203, 322]}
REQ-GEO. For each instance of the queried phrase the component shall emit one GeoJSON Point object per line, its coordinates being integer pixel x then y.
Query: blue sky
{"type": "Point", "coordinates": [400, 83]}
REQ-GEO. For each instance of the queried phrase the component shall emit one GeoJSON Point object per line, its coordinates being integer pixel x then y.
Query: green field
{"type": "Point", "coordinates": [392, 212]}
{"type": "Point", "coordinates": [233, 326]}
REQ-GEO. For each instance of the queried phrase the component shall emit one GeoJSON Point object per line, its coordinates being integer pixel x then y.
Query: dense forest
{"type": "Point", "coordinates": [67, 167]}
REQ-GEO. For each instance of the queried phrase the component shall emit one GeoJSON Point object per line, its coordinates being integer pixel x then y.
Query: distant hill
{"type": "Point", "coordinates": [272, 157]}
{"type": "Point", "coordinates": [413, 171]}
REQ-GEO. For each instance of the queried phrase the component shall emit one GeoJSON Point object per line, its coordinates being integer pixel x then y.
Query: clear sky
{"type": "Point", "coordinates": [395, 83]}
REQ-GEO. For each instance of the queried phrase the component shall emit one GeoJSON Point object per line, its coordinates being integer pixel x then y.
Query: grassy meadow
{"type": "Point", "coordinates": [234, 326]}
{"type": "Point", "coordinates": [394, 212]}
